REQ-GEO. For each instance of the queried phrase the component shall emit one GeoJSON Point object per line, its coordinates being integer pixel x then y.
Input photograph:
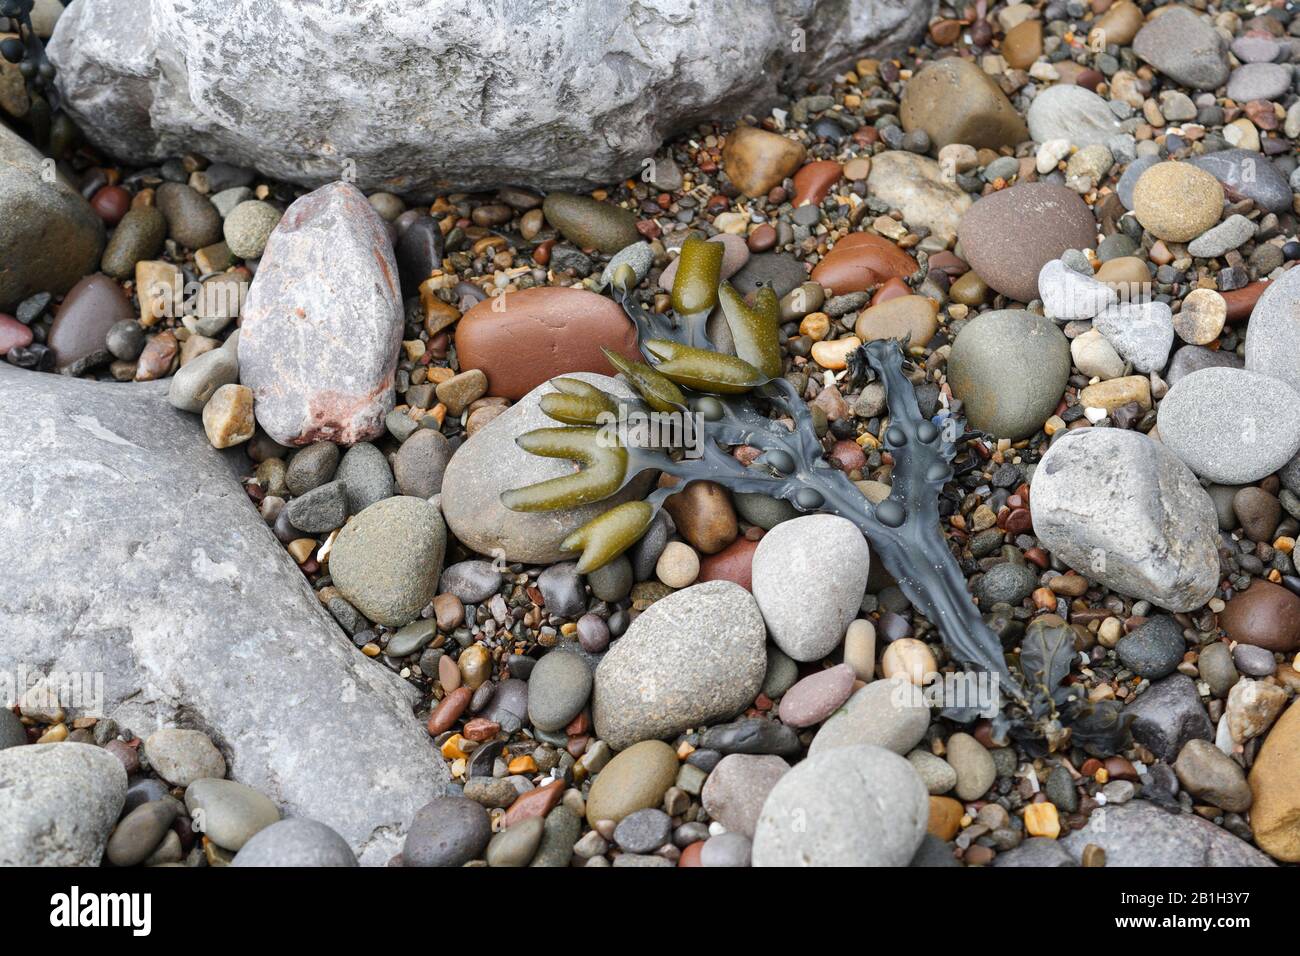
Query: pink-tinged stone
{"type": "Point", "coordinates": [13, 334]}
{"type": "Point", "coordinates": [83, 319]}
{"type": "Point", "coordinates": [323, 322]}
{"type": "Point", "coordinates": [816, 697]}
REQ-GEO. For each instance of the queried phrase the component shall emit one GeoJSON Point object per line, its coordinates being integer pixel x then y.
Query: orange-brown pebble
{"type": "Point", "coordinates": [535, 803]}
{"type": "Point", "coordinates": [448, 710]}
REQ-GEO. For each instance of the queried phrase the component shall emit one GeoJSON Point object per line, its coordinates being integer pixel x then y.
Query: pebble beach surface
{"type": "Point", "coordinates": [1078, 216]}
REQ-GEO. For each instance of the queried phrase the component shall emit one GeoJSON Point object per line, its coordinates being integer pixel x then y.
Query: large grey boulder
{"type": "Point", "coordinates": [1122, 510]}
{"type": "Point", "coordinates": [60, 238]}
{"type": "Point", "coordinates": [129, 549]}
{"type": "Point", "coordinates": [420, 95]}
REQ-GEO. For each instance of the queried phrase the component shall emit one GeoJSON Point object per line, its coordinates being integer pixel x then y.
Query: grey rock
{"type": "Point", "coordinates": [1230, 425]}
{"type": "Point", "coordinates": [1209, 774]}
{"type": "Point", "coordinates": [606, 83]}
{"type": "Point", "coordinates": [387, 559]}
{"type": "Point", "coordinates": [227, 199]}
{"type": "Point", "coordinates": [58, 803]}
{"type": "Point", "coordinates": [181, 756]}
{"type": "Point", "coordinates": [763, 510]}
{"type": "Point", "coordinates": [558, 689]}
{"type": "Point", "coordinates": [638, 256]}
{"type": "Point", "coordinates": [936, 773]}
{"type": "Point", "coordinates": [1273, 333]}
{"type": "Point", "coordinates": [1005, 583]}
{"type": "Point", "coordinates": [1254, 661]}
{"type": "Point", "coordinates": [1122, 510]}
{"type": "Point", "coordinates": [139, 236]}
{"type": "Point", "coordinates": [509, 704]}
{"type": "Point", "coordinates": [320, 510]}
{"type": "Point", "coordinates": [889, 713]}
{"type": "Point", "coordinates": [296, 842]}
{"type": "Point", "coordinates": [1184, 47]}
{"type": "Point", "coordinates": [447, 831]}
{"type": "Point", "coordinates": [471, 581]}
{"type": "Point", "coordinates": [195, 381]}
{"type": "Point", "coordinates": [1168, 715]}
{"type": "Point", "coordinates": [1072, 113]}
{"type": "Point", "coordinates": [933, 853]}
{"type": "Point", "coordinates": [726, 850]}
{"type": "Point", "coordinates": [783, 272]}
{"type": "Point", "coordinates": [737, 788]}
{"type": "Point", "coordinates": [1248, 174]}
{"type": "Point", "coordinates": [421, 462]}
{"type": "Point", "coordinates": [645, 554]}
{"type": "Point", "coordinates": [92, 586]}
{"type": "Point", "coordinates": [1142, 332]}
{"type": "Point", "coordinates": [1153, 650]}
{"type": "Point", "coordinates": [490, 462]}
{"type": "Point", "coordinates": [1124, 188]}
{"type": "Point", "coordinates": [1234, 231]}
{"type": "Point", "coordinates": [559, 836]}
{"type": "Point", "coordinates": [515, 845]}
{"type": "Point", "coordinates": [366, 477]}
{"type": "Point", "coordinates": [1036, 852]}
{"type": "Point", "coordinates": [613, 581]}
{"type": "Point", "coordinates": [320, 355]}
{"type": "Point", "coordinates": [1009, 368]}
{"type": "Point", "coordinates": [248, 226]}
{"type": "Point", "coordinates": [809, 576]}
{"type": "Point", "coordinates": [1259, 81]}
{"type": "Point", "coordinates": [312, 467]}
{"type": "Point", "coordinates": [1193, 358]}
{"type": "Point", "coordinates": [192, 220]}
{"type": "Point", "coordinates": [140, 832]}
{"type": "Point", "coordinates": [562, 591]}
{"type": "Point", "coordinates": [751, 735]}
{"type": "Point", "coordinates": [1217, 668]}
{"type": "Point", "coordinates": [12, 733]}
{"type": "Point", "coordinates": [643, 831]}
{"type": "Point", "coordinates": [1142, 834]}
{"type": "Point", "coordinates": [59, 235]}
{"type": "Point", "coordinates": [858, 806]}
{"type": "Point", "coordinates": [228, 813]}
{"type": "Point", "coordinates": [694, 657]}
{"type": "Point", "coordinates": [782, 672]}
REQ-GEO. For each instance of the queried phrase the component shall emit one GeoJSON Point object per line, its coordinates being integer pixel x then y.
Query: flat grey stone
{"type": "Point", "coordinates": [1234, 231]}
{"type": "Point", "coordinates": [1122, 510]}
{"type": "Point", "coordinates": [1142, 332]}
{"type": "Point", "coordinates": [228, 813]}
{"type": "Point", "coordinates": [1185, 47]}
{"type": "Point", "coordinates": [851, 806]}
{"type": "Point", "coordinates": [888, 713]}
{"type": "Point", "coordinates": [1193, 358]}
{"type": "Point", "coordinates": [1036, 852]}
{"type": "Point", "coordinates": [1233, 426]}
{"type": "Point", "coordinates": [605, 82]}
{"type": "Point", "coordinates": [119, 520]}
{"type": "Point", "coordinates": [1248, 174]}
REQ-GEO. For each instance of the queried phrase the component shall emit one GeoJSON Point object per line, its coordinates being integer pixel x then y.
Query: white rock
{"type": "Point", "coordinates": [809, 575]}
{"type": "Point", "coordinates": [1094, 356]}
{"type": "Point", "coordinates": [1068, 295]}
{"type": "Point", "coordinates": [1122, 510]}
{"type": "Point", "coordinates": [1142, 332]}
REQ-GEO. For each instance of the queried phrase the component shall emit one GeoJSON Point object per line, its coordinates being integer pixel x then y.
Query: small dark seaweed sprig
{"type": "Point", "coordinates": [734, 396]}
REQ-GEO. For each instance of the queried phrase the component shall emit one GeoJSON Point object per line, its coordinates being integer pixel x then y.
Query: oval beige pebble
{"type": "Point", "coordinates": [228, 416]}
{"type": "Point", "coordinates": [975, 768]}
{"type": "Point", "coordinates": [636, 778]}
{"type": "Point", "coordinates": [1201, 318]}
{"type": "Point", "coordinates": [860, 649]}
{"type": "Point", "coordinates": [907, 657]}
{"type": "Point", "coordinates": [678, 566]}
{"type": "Point", "coordinates": [835, 355]}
